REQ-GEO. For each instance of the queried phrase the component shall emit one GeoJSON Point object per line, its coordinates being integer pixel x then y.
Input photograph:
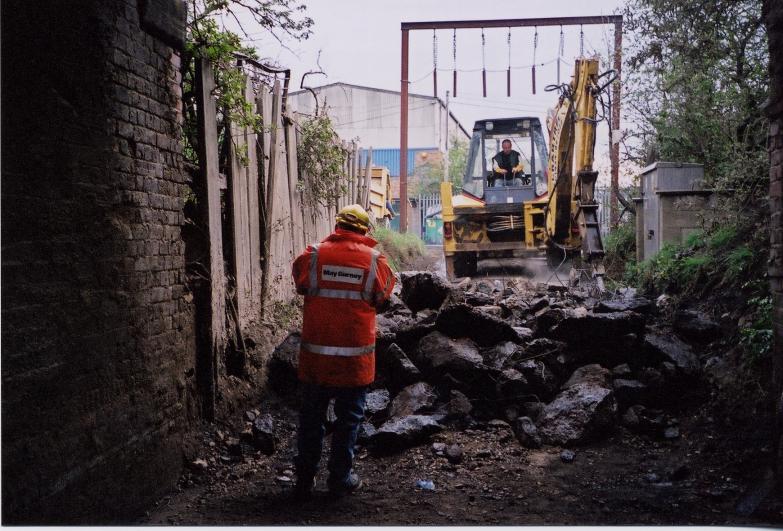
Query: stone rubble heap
{"type": "Point", "coordinates": [560, 367]}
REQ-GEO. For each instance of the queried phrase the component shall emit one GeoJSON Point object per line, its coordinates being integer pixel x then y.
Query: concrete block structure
{"type": "Point", "coordinates": [673, 199]}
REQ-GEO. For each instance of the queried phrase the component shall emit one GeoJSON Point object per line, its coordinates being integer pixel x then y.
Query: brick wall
{"type": "Point", "coordinates": [774, 20]}
{"type": "Point", "coordinates": [98, 342]}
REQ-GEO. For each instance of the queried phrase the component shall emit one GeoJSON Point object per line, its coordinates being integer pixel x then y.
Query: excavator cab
{"type": "Point", "coordinates": [527, 139]}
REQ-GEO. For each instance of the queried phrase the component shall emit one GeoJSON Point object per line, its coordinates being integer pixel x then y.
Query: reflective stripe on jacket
{"type": "Point", "coordinates": [343, 279]}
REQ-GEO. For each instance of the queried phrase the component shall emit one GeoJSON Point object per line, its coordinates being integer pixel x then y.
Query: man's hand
{"type": "Point", "coordinates": [501, 171]}
{"type": "Point", "coordinates": [517, 168]}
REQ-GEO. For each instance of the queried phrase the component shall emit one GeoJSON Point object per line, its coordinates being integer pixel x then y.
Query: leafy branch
{"type": "Point", "coordinates": [321, 158]}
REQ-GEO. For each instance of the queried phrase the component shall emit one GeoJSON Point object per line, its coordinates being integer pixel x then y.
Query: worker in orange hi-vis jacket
{"type": "Point", "coordinates": [344, 281]}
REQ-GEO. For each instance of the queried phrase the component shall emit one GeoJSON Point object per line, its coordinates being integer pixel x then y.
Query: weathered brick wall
{"type": "Point", "coordinates": [98, 342]}
{"type": "Point", "coordinates": [774, 21]}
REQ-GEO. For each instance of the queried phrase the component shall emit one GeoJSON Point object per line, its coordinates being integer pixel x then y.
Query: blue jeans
{"type": "Point", "coordinates": [349, 409]}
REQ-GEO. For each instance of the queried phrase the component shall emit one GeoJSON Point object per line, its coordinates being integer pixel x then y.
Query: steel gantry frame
{"type": "Point", "coordinates": [614, 128]}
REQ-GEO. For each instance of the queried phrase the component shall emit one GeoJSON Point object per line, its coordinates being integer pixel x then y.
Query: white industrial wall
{"type": "Point", "coordinates": [374, 116]}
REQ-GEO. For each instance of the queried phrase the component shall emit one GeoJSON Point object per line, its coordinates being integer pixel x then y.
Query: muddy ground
{"type": "Point", "coordinates": [624, 479]}
{"type": "Point", "coordinates": [715, 473]}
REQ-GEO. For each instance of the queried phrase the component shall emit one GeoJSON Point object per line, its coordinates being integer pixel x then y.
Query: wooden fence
{"type": "Point", "coordinates": [255, 214]}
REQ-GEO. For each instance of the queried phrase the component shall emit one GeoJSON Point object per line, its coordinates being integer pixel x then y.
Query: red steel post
{"type": "Point", "coordinates": [615, 147]}
{"type": "Point", "coordinates": [404, 135]}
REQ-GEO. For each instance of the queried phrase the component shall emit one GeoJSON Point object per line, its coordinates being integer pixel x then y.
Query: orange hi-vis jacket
{"type": "Point", "coordinates": [343, 279]}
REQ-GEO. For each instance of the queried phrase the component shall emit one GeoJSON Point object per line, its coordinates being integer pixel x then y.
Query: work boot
{"type": "Point", "coordinates": [349, 486]}
{"type": "Point", "coordinates": [303, 489]}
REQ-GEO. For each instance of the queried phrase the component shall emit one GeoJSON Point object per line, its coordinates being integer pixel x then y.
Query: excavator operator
{"type": "Point", "coordinates": [506, 165]}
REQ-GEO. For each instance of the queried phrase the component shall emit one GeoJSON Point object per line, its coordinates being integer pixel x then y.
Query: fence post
{"type": "Point", "coordinates": [212, 340]}
{"type": "Point", "coordinates": [367, 180]}
{"type": "Point", "coordinates": [238, 195]}
{"type": "Point", "coordinates": [271, 123]}
{"type": "Point", "coordinates": [296, 219]}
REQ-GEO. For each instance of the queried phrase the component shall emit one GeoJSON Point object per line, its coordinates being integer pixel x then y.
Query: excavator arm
{"type": "Point", "coordinates": [572, 212]}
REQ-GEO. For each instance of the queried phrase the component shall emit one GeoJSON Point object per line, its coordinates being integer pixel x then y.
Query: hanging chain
{"type": "Point", "coordinates": [562, 43]}
{"type": "Point", "coordinates": [483, 49]}
{"type": "Point", "coordinates": [454, 48]}
{"type": "Point", "coordinates": [560, 53]}
{"type": "Point", "coordinates": [535, 44]}
{"type": "Point", "coordinates": [581, 42]}
{"type": "Point", "coordinates": [434, 49]}
{"type": "Point", "coordinates": [508, 39]}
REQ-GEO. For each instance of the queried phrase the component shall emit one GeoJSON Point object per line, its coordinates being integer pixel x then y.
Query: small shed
{"type": "Point", "coordinates": [673, 199]}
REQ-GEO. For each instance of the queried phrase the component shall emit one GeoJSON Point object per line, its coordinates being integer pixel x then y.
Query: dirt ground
{"type": "Point", "coordinates": [715, 473]}
{"type": "Point", "coordinates": [624, 479]}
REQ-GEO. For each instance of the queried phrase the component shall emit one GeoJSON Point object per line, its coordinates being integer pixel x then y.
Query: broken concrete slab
{"type": "Point", "coordinates": [638, 305]}
{"type": "Point", "coordinates": [542, 380]}
{"type": "Point", "coordinates": [264, 434]}
{"type": "Point", "coordinates": [396, 369]}
{"type": "Point", "coordinates": [629, 392]}
{"type": "Point", "coordinates": [497, 356]}
{"type": "Point", "coordinates": [582, 413]}
{"type": "Point", "coordinates": [423, 289]}
{"type": "Point", "coordinates": [377, 401]}
{"type": "Point", "coordinates": [512, 386]}
{"type": "Point", "coordinates": [440, 353]}
{"type": "Point", "coordinates": [283, 365]}
{"type": "Point", "coordinates": [462, 320]}
{"type": "Point", "coordinates": [400, 433]}
{"type": "Point", "coordinates": [592, 374]}
{"type": "Point", "coordinates": [668, 348]}
{"type": "Point", "coordinates": [696, 326]}
{"type": "Point", "coordinates": [416, 398]}
{"type": "Point", "coordinates": [527, 433]}
{"type": "Point", "coordinates": [589, 330]}
{"type": "Point", "coordinates": [478, 298]}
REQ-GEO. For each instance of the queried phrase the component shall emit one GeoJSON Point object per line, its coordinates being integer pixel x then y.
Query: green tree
{"type": "Point", "coordinates": [458, 162]}
{"type": "Point", "coordinates": [206, 39]}
{"type": "Point", "coordinates": [695, 80]}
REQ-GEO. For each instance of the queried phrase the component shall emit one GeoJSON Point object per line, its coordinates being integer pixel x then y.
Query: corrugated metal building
{"type": "Point", "coordinates": [390, 158]}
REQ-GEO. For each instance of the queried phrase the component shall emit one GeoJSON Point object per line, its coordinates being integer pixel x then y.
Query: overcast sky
{"type": "Point", "coordinates": [359, 43]}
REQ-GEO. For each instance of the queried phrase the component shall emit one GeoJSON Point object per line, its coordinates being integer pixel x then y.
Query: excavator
{"type": "Point", "coordinates": [547, 209]}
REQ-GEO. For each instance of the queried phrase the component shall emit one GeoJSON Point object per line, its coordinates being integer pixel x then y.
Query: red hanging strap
{"type": "Point", "coordinates": [508, 72]}
{"type": "Point", "coordinates": [483, 63]}
{"type": "Point", "coordinates": [434, 64]}
{"type": "Point", "coordinates": [454, 52]}
{"type": "Point", "coordinates": [535, 47]}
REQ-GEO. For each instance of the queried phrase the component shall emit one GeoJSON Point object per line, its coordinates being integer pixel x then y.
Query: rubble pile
{"type": "Point", "coordinates": [560, 367]}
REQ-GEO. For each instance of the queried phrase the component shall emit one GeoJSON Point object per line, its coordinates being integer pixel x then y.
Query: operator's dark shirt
{"type": "Point", "coordinates": [507, 162]}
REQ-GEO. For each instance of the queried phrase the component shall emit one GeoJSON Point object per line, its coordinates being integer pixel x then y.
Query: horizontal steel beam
{"type": "Point", "coordinates": [511, 22]}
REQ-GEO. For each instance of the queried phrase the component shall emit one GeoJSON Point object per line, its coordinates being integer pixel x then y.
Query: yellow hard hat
{"type": "Point", "coordinates": [355, 216]}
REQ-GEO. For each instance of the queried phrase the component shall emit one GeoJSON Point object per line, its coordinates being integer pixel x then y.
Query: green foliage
{"type": "Point", "coordinates": [620, 249]}
{"type": "Point", "coordinates": [458, 162]}
{"type": "Point", "coordinates": [401, 250]}
{"type": "Point", "coordinates": [730, 258]}
{"type": "Point", "coordinates": [722, 237]}
{"type": "Point", "coordinates": [696, 79]}
{"type": "Point", "coordinates": [206, 39]}
{"type": "Point", "coordinates": [739, 262]}
{"type": "Point", "coordinates": [757, 338]}
{"type": "Point", "coordinates": [321, 159]}
{"type": "Point", "coordinates": [427, 177]}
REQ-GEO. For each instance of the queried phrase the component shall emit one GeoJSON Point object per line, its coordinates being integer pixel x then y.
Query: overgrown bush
{"type": "Point", "coordinates": [620, 249]}
{"type": "Point", "coordinates": [727, 258]}
{"type": "Point", "coordinates": [321, 158]}
{"type": "Point", "coordinates": [401, 250]}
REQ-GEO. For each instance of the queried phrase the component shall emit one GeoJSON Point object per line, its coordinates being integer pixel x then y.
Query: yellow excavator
{"type": "Point", "coordinates": [547, 208]}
